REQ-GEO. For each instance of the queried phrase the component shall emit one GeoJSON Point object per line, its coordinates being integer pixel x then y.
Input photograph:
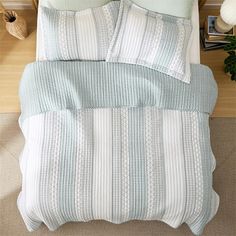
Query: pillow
{"type": "Point", "coordinates": [181, 8]}
{"type": "Point", "coordinates": [150, 39]}
{"type": "Point", "coordinates": [81, 35]}
{"type": "Point", "coordinates": [75, 5]}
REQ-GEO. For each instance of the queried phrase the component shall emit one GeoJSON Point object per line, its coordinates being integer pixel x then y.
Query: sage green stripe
{"type": "Point", "coordinates": [53, 86]}
{"type": "Point", "coordinates": [45, 174]}
{"type": "Point", "coordinates": [166, 50]}
{"type": "Point", "coordinates": [67, 166]}
{"type": "Point", "coordinates": [85, 150]}
{"type": "Point", "coordinates": [189, 165]}
{"type": "Point", "coordinates": [138, 185]}
{"type": "Point", "coordinates": [159, 163]}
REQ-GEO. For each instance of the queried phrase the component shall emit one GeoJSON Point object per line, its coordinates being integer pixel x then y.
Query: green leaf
{"type": "Point", "coordinates": [230, 38]}
{"type": "Point", "coordinates": [226, 69]}
{"type": "Point", "coordinates": [230, 47]}
{"type": "Point", "coordinates": [230, 59]}
{"type": "Point", "coordinates": [232, 53]}
{"type": "Point", "coordinates": [232, 43]}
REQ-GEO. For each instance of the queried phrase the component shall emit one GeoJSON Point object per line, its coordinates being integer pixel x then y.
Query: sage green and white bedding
{"type": "Point", "coordinates": [116, 142]}
{"type": "Point", "coordinates": [158, 41]}
{"type": "Point", "coordinates": [78, 35]}
{"type": "Point", "coordinates": [69, 5]}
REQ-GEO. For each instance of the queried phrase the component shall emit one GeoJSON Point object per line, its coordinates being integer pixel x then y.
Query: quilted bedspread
{"type": "Point", "coordinates": [116, 142]}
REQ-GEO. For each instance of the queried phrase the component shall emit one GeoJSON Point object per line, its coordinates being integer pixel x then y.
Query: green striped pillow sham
{"type": "Point", "coordinates": [158, 41]}
{"type": "Point", "coordinates": [78, 35]}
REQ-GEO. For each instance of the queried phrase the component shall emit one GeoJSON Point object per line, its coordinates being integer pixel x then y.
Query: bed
{"type": "Point", "coordinates": [115, 127]}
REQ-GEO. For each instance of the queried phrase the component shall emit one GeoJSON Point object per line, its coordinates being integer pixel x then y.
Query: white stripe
{"type": "Point", "coordinates": [102, 165]}
{"type": "Point", "coordinates": [87, 38]}
{"type": "Point", "coordinates": [150, 163]}
{"type": "Point", "coordinates": [33, 134]}
{"type": "Point", "coordinates": [174, 167]}
{"type": "Point", "coordinates": [62, 32]}
{"type": "Point", "coordinates": [41, 52]}
{"type": "Point", "coordinates": [133, 38]}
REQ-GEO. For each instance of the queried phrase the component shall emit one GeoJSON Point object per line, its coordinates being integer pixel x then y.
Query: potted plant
{"type": "Point", "coordinates": [230, 61]}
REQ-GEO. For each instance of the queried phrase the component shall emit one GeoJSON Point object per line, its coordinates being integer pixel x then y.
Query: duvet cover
{"type": "Point", "coordinates": [116, 142]}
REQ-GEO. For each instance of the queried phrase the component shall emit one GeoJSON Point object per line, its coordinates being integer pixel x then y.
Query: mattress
{"type": "Point", "coordinates": [195, 47]}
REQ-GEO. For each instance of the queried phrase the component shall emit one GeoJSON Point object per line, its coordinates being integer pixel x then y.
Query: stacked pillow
{"type": "Point", "coordinates": [121, 32]}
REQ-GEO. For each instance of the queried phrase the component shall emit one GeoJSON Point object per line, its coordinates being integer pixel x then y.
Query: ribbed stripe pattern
{"type": "Point", "coordinates": [158, 41]}
{"type": "Point", "coordinates": [117, 164]}
{"type": "Point", "coordinates": [78, 35]}
{"type": "Point", "coordinates": [116, 142]}
{"type": "Point", "coordinates": [53, 86]}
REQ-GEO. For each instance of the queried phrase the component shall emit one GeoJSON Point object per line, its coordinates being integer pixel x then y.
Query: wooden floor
{"type": "Point", "coordinates": [15, 54]}
{"type": "Point", "coordinates": [226, 105]}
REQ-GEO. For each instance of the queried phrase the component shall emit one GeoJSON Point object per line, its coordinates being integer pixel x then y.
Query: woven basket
{"type": "Point", "coordinates": [15, 24]}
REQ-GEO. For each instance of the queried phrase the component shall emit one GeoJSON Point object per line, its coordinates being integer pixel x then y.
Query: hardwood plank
{"type": "Point", "coordinates": [14, 55]}
{"type": "Point", "coordinates": [226, 104]}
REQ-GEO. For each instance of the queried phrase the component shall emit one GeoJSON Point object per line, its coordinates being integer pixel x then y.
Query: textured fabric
{"type": "Point", "coordinates": [76, 85]}
{"type": "Point", "coordinates": [83, 35]}
{"type": "Point", "coordinates": [73, 5]}
{"type": "Point", "coordinates": [11, 223]}
{"type": "Point", "coordinates": [116, 163]}
{"type": "Point", "coordinates": [154, 40]}
{"type": "Point", "coordinates": [195, 46]}
{"type": "Point", "coordinates": [180, 8]}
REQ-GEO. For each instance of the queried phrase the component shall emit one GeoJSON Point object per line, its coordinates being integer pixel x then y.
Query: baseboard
{"type": "Point", "coordinates": [17, 5]}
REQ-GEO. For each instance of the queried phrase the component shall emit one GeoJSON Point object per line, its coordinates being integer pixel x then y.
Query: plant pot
{"type": "Point", "coordinates": [15, 25]}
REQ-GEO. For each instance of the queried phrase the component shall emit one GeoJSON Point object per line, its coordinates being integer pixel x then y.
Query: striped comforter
{"type": "Point", "coordinates": [116, 142]}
